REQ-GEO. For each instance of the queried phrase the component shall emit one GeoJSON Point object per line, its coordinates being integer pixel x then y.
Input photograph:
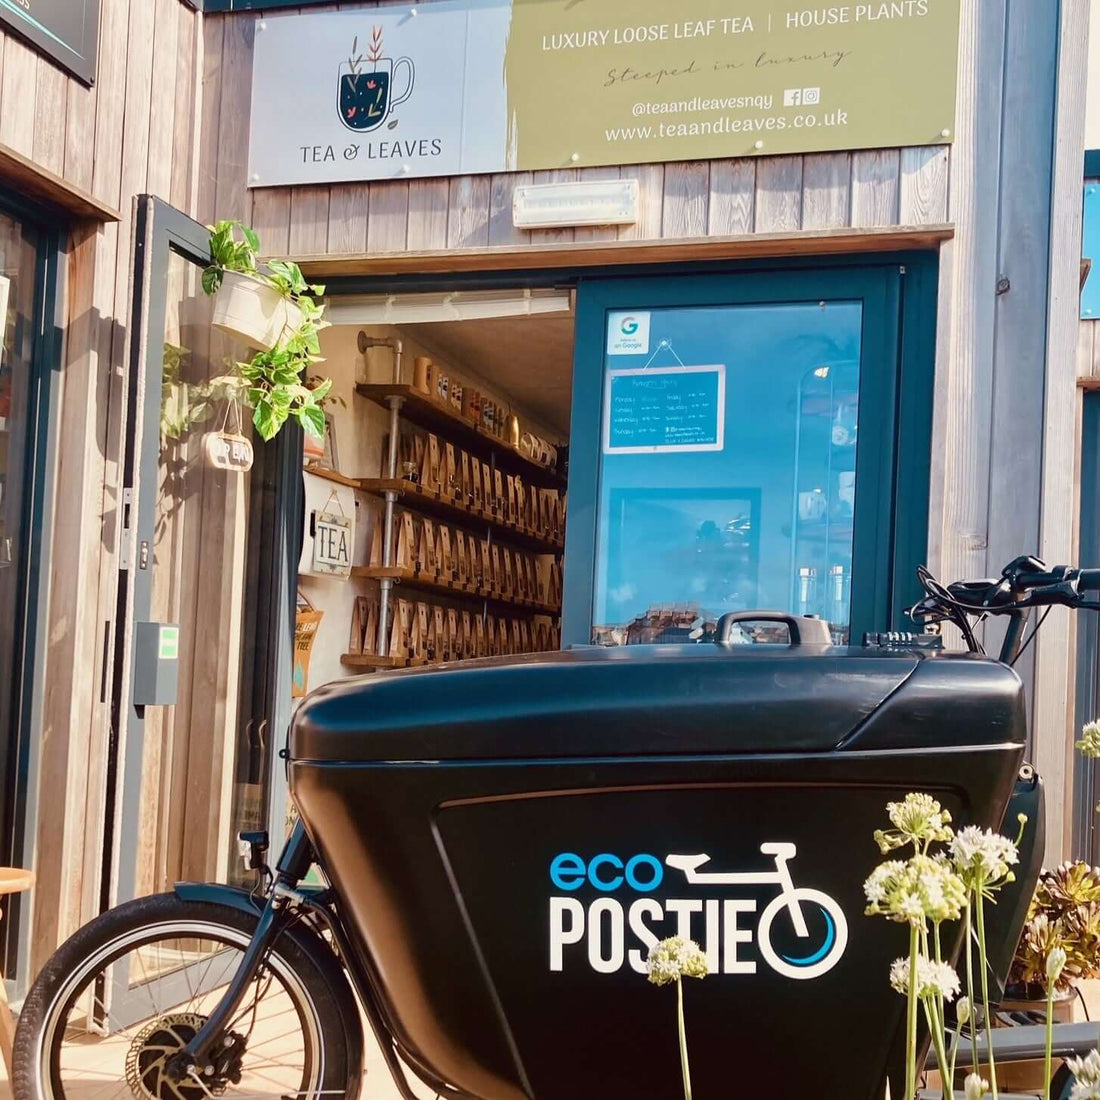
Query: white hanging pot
{"type": "Point", "coordinates": [253, 311]}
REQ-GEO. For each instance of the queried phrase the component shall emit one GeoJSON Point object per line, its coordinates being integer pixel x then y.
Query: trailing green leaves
{"type": "Point", "coordinates": [274, 381]}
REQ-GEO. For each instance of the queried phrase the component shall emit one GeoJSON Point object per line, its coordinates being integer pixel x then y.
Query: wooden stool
{"type": "Point", "coordinates": [12, 881]}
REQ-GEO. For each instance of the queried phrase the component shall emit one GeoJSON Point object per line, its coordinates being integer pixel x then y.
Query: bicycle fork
{"type": "Point", "coordinates": [783, 853]}
{"type": "Point", "coordinates": [201, 1052]}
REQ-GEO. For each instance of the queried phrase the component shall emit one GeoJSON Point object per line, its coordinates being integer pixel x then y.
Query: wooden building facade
{"type": "Point", "coordinates": [999, 209]}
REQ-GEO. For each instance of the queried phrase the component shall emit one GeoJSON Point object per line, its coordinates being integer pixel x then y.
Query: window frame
{"type": "Point", "coordinates": [896, 390]}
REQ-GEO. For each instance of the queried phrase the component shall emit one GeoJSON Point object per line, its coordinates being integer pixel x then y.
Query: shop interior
{"type": "Point", "coordinates": [468, 560]}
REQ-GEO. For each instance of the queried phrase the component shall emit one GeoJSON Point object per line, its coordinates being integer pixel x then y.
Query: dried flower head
{"type": "Point", "coordinates": [983, 858]}
{"type": "Point", "coordinates": [1089, 743]}
{"type": "Point", "coordinates": [675, 958]}
{"type": "Point", "coordinates": [974, 1088]}
{"type": "Point", "coordinates": [918, 820]}
{"type": "Point", "coordinates": [934, 979]}
{"type": "Point", "coordinates": [1086, 1072]}
{"type": "Point", "coordinates": [922, 888]}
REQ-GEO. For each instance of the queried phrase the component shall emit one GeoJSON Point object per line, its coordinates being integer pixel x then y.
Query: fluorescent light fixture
{"type": "Point", "coordinates": [460, 305]}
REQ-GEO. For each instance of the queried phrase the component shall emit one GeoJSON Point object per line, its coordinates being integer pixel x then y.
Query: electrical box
{"type": "Point", "coordinates": [156, 664]}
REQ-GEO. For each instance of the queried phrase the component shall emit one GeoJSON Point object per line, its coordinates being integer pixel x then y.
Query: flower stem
{"type": "Point", "coordinates": [683, 1038]}
{"type": "Point", "coordinates": [985, 991]}
{"type": "Point", "coordinates": [1050, 1039]}
{"type": "Point", "coordinates": [911, 1022]}
{"type": "Point", "coordinates": [935, 1026]}
{"type": "Point", "coordinates": [974, 1067]}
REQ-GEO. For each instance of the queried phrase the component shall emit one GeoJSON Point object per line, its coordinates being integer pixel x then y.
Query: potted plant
{"type": "Point", "coordinates": [253, 306]}
{"type": "Point", "coordinates": [275, 382]}
{"type": "Point", "coordinates": [1065, 912]}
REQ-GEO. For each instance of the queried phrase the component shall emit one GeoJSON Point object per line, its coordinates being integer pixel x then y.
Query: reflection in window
{"type": "Point", "coordinates": [727, 478]}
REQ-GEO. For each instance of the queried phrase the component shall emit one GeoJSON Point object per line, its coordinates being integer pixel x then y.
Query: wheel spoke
{"type": "Point", "coordinates": [130, 1061]}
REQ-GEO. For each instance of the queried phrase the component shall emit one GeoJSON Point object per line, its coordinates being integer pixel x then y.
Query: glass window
{"type": "Point", "coordinates": [727, 471]}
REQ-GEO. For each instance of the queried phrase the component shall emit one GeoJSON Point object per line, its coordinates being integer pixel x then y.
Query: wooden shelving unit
{"type": "Point", "coordinates": [332, 475]}
{"type": "Point", "coordinates": [368, 662]}
{"type": "Point", "coordinates": [435, 504]}
{"type": "Point", "coordinates": [440, 586]}
{"type": "Point", "coordinates": [462, 431]}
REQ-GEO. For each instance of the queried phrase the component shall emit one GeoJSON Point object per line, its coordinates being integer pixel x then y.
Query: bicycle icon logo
{"type": "Point", "coordinates": [801, 933]}
{"type": "Point", "coordinates": [802, 967]}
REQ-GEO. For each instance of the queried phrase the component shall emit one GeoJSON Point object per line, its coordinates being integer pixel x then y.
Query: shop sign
{"type": "Point", "coordinates": [332, 541]}
{"type": "Point", "coordinates": [475, 86]}
{"type": "Point", "coordinates": [596, 202]}
{"type": "Point", "coordinates": [648, 410]}
{"type": "Point", "coordinates": [65, 30]}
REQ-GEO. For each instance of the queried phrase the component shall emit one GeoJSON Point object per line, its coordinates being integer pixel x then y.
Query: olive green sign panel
{"type": "Point", "coordinates": [646, 80]}
{"type": "Point", "coordinates": [471, 86]}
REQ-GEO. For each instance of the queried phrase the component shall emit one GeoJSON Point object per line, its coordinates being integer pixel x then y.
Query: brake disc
{"type": "Point", "coordinates": [147, 1058]}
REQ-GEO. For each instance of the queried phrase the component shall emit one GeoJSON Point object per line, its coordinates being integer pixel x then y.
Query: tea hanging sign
{"type": "Point", "coordinates": [332, 535]}
{"type": "Point", "coordinates": [460, 87]}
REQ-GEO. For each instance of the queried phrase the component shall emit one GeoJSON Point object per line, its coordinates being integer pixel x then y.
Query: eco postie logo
{"type": "Point", "coordinates": [801, 933]}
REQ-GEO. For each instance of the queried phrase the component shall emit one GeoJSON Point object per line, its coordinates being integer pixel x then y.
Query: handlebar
{"type": "Point", "coordinates": [1023, 584]}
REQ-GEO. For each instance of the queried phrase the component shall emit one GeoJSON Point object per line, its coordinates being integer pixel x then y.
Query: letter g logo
{"type": "Point", "coordinates": [628, 326]}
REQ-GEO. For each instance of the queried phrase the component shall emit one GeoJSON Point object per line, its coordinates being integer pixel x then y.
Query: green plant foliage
{"type": "Point", "coordinates": [1065, 913]}
{"type": "Point", "coordinates": [274, 381]}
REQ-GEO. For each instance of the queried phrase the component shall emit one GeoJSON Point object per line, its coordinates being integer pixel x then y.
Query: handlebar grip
{"type": "Point", "coordinates": [1089, 580]}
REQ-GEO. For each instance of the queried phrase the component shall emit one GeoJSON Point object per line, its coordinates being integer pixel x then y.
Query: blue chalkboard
{"type": "Point", "coordinates": [665, 409]}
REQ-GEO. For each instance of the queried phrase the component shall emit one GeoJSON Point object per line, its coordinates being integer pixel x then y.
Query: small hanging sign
{"type": "Point", "coordinates": [228, 451]}
{"type": "Point", "coordinates": [332, 540]}
{"type": "Point", "coordinates": [229, 448]}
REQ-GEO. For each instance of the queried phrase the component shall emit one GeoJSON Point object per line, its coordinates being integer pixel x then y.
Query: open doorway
{"type": "Point", "coordinates": [435, 508]}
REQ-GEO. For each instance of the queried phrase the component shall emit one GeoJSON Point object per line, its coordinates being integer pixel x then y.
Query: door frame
{"type": "Point", "coordinates": [160, 230]}
{"type": "Point", "coordinates": [896, 391]}
{"type": "Point", "coordinates": [20, 771]}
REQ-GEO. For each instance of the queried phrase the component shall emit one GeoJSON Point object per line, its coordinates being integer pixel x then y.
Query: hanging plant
{"type": "Point", "coordinates": [274, 309]}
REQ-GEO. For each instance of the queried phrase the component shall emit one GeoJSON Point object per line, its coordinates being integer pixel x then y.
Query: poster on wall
{"type": "Point", "coordinates": [474, 86]}
{"type": "Point", "coordinates": [65, 30]}
{"type": "Point", "coordinates": [648, 410]}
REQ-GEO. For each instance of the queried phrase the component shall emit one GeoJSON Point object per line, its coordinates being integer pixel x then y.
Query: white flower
{"type": "Point", "coordinates": [675, 958]}
{"type": "Point", "coordinates": [1090, 739]}
{"type": "Point", "coordinates": [974, 1087]}
{"type": "Point", "coordinates": [1056, 962]}
{"type": "Point", "coordinates": [917, 820]}
{"type": "Point", "coordinates": [962, 1011]}
{"type": "Point", "coordinates": [1087, 1073]}
{"type": "Point", "coordinates": [934, 979]}
{"type": "Point", "coordinates": [983, 857]}
{"type": "Point", "coordinates": [910, 892]}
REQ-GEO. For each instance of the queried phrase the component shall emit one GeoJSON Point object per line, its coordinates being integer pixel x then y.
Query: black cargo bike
{"type": "Point", "coordinates": [501, 841]}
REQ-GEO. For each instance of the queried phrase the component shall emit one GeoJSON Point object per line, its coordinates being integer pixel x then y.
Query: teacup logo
{"type": "Point", "coordinates": [366, 88]}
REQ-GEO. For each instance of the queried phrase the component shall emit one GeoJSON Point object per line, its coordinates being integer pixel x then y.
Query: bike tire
{"type": "Point", "coordinates": [309, 958]}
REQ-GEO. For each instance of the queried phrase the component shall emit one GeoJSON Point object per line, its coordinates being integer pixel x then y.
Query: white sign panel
{"type": "Point", "coordinates": [379, 93]}
{"type": "Point", "coordinates": [592, 202]}
{"type": "Point", "coordinates": [628, 333]}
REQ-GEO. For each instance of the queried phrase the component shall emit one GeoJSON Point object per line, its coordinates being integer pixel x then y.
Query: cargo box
{"type": "Point", "coordinates": [507, 838]}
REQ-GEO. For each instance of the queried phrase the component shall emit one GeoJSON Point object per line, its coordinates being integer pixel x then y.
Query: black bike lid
{"type": "Point", "coordinates": [661, 700]}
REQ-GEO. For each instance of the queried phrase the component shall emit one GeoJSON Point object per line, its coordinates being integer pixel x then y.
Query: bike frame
{"type": "Point", "coordinates": [783, 853]}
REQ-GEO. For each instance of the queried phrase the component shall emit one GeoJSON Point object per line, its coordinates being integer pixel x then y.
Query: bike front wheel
{"type": "Point", "coordinates": [132, 987]}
